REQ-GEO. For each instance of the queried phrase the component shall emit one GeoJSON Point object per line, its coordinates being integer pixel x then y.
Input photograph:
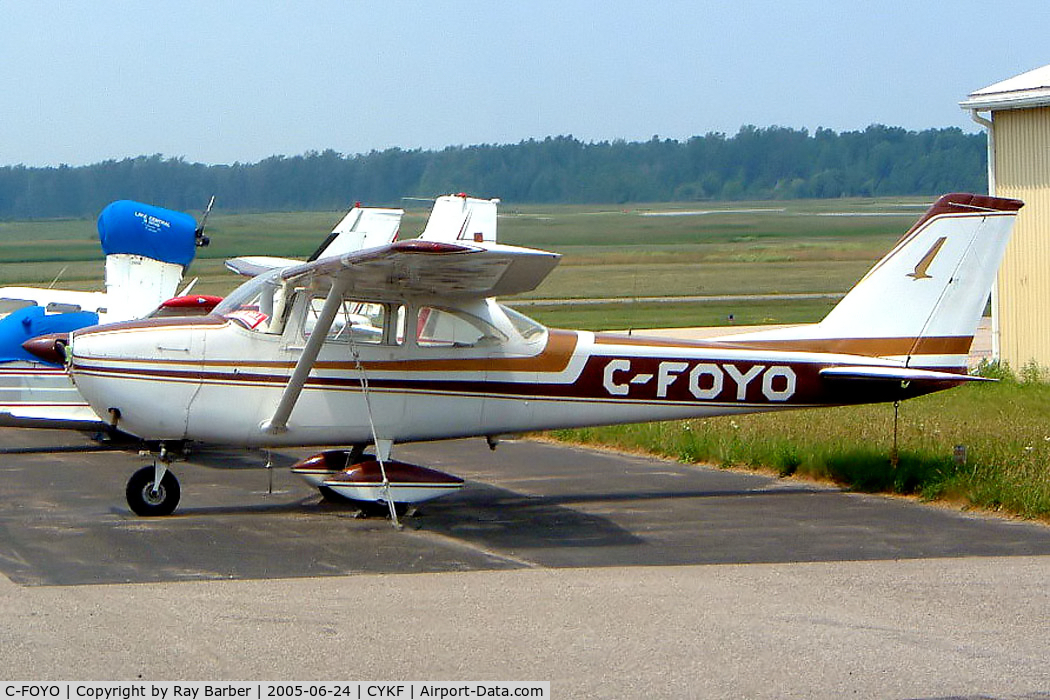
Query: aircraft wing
{"type": "Point", "coordinates": [433, 268]}
{"type": "Point", "coordinates": [408, 268]}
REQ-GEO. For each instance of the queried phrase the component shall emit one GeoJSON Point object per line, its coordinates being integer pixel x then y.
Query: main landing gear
{"type": "Point", "coordinates": [357, 477]}
{"type": "Point", "coordinates": [154, 490]}
{"type": "Point", "coordinates": [351, 475]}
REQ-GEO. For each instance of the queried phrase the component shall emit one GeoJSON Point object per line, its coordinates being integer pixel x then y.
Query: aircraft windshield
{"type": "Point", "coordinates": [252, 304]}
{"type": "Point", "coordinates": [247, 295]}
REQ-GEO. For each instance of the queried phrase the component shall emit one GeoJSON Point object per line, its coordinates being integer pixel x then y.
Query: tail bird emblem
{"type": "Point", "coordinates": [919, 272]}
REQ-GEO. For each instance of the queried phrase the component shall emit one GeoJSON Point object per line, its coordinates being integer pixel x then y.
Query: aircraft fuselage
{"type": "Point", "coordinates": [213, 380]}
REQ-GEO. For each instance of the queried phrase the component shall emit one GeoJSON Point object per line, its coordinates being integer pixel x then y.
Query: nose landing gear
{"type": "Point", "coordinates": [154, 490]}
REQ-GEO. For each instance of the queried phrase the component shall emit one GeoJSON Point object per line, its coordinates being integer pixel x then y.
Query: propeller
{"type": "Point", "coordinates": [203, 240]}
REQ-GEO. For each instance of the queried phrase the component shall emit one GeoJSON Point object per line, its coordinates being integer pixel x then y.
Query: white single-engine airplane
{"type": "Point", "coordinates": [147, 250]}
{"type": "Point", "coordinates": [404, 342]}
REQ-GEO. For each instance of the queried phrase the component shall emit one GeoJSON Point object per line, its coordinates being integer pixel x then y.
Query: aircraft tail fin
{"type": "Point", "coordinates": [922, 302]}
{"type": "Point", "coordinates": [362, 227]}
{"type": "Point", "coordinates": [457, 217]}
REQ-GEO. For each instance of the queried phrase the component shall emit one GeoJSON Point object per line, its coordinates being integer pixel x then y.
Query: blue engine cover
{"type": "Point", "coordinates": [134, 228]}
{"type": "Point", "coordinates": [30, 322]}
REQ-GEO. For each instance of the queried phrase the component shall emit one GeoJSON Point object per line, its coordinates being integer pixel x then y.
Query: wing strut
{"type": "Point", "coordinates": [279, 422]}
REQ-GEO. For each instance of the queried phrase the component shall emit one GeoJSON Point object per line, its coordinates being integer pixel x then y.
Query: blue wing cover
{"type": "Point", "coordinates": [32, 321]}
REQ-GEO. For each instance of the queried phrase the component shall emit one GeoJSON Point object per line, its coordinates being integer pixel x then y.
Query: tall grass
{"type": "Point", "coordinates": [1005, 428]}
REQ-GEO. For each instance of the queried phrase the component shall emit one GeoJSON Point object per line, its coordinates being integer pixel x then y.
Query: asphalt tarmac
{"type": "Point", "coordinates": [609, 575]}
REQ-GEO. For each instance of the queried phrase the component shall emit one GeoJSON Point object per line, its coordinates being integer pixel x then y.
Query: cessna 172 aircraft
{"type": "Point", "coordinates": [404, 342]}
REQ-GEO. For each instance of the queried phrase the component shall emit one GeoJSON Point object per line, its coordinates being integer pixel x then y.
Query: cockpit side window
{"type": "Point", "coordinates": [525, 326]}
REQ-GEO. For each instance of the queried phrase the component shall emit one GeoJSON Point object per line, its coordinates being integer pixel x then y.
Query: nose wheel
{"type": "Point", "coordinates": [153, 491]}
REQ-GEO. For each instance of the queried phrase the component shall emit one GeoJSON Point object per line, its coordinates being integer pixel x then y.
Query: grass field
{"type": "Point", "coordinates": [1005, 428]}
{"type": "Point", "coordinates": [657, 250]}
{"type": "Point", "coordinates": [631, 315]}
{"type": "Point", "coordinates": [688, 250]}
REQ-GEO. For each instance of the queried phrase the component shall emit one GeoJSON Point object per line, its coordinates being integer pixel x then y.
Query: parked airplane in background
{"type": "Point", "coordinates": [147, 250]}
{"type": "Point", "coordinates": [362, 227]}
{"type": "Point", "coordinates": [404, 342]}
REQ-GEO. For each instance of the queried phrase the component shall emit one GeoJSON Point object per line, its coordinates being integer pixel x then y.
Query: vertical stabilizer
{"type": "Point", "coordinates": [362, 227]}
{"type": "Point", "coordinates": [922, 302]}
{"type": "Point", "coordinates": [457, 217]}
{"type": "Point", "coordinates": [136, 285]}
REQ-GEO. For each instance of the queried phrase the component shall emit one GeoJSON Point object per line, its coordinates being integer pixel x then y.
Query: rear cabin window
{"type": "Point", "coordinates": [436, 327]}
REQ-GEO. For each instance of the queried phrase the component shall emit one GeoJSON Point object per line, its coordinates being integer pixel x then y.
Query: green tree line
{"type": "Point", "coordinates": [756, 163]}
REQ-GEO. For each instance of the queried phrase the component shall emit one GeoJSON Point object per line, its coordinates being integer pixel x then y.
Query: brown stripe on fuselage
{"type": "Point", "coordinates": [554, 357]}
{"type": "Point", "coordinates": [164, 322]}
{"type": "Point", "coordinates": [867, 347]}
{"type": "Point", "coordinates": [633, 340]}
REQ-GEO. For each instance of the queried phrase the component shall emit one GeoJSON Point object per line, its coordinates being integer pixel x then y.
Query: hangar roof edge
{"type": "Point", "coordinates": [1030, 89]}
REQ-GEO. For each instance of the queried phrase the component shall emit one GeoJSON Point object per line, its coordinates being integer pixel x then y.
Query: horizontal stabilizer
{"type": "Point", "coordinates": [897, 374]}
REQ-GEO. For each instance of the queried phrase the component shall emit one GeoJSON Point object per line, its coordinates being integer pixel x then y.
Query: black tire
{"type": "Point", "coordinates": [146, 501]}
{"type": "Point", "coordinates": [381, 509]}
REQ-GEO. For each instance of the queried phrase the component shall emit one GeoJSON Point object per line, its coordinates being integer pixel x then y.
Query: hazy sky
{"type": "Point", "coordinates": [220, 81]}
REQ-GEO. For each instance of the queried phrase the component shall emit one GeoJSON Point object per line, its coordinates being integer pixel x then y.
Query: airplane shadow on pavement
{"type": "Point", "coordinates": [63, 519]}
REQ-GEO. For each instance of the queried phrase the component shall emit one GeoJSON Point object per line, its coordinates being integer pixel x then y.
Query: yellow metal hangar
{"type": "Point", "coordinates": [1018, 123]}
